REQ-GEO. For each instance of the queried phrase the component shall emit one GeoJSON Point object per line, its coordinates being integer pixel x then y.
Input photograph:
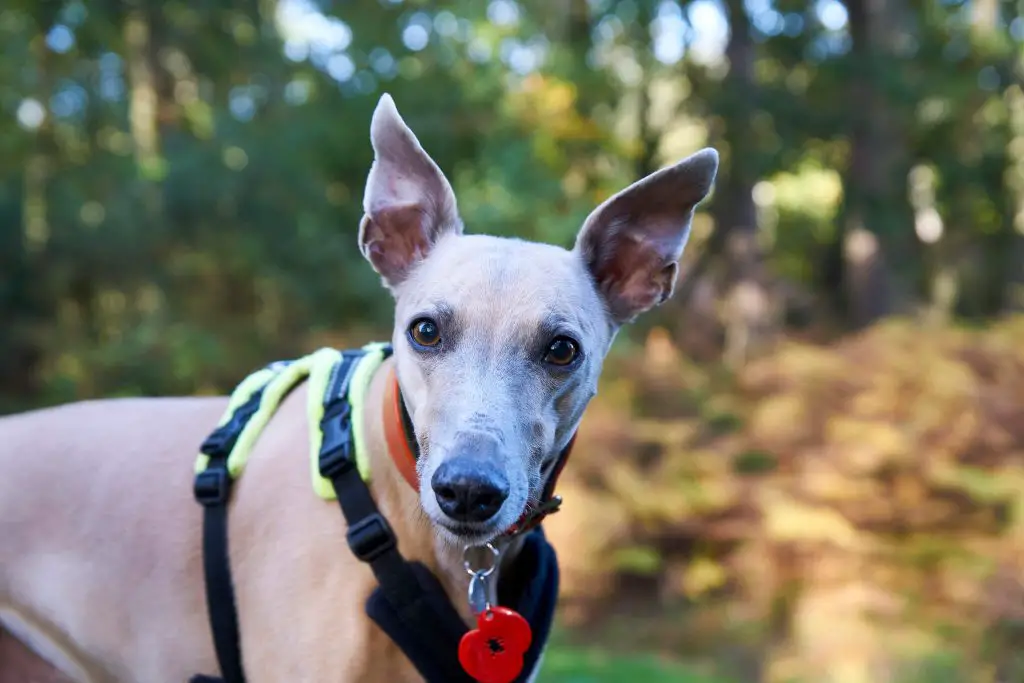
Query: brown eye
{"type": "Point", "coordinates": [562, 351]}
{"type": "Point", "coordinates": [425, 332]}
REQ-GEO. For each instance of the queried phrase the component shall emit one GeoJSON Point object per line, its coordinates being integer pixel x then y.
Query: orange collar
{"type": "Point", "coordinates": [402, 448]}
{"type": "Point", "coordinates": [400, 444]}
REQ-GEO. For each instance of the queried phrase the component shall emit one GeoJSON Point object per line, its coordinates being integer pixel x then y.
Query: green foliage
{"type": "Point", "coordinates": [181, 178]}
{"type": "Point", "coordinates": [566, 665]}
{"type": "Point", "coordinates": [180, 192]}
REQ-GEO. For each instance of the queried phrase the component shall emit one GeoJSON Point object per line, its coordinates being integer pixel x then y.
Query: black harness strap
{"type": "Point", "coordinates": [212, 488]}
{"type": "Point", "coordinates": [408, 588]}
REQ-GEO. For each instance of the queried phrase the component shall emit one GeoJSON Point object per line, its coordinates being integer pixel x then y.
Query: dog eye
{"type": "Point", "coordinates": [425, 332]}
{"type": "Point", "coordinates": [562, 351]}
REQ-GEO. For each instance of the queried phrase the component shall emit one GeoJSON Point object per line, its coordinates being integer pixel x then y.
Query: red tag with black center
{"type": "Point", "coordinates": [493, 651]}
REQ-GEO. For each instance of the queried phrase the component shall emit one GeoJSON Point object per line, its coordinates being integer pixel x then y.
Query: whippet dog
{"type": "Point", "coordinates": [497, 347]}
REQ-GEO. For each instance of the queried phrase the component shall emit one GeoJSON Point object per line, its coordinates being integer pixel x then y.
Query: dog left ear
{"type": "Point", "coordinates": [408, 205]}
{"type": "Point", "coordinates": [633, 241]}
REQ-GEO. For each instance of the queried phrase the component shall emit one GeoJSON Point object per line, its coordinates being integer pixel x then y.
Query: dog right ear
{"type": "Point", "coordinates": [408, 205]}
{"type": "Point", "coordinates": [632, 242]}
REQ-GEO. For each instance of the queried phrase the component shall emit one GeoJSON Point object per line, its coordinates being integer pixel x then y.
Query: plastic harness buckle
{"type": "Point", "coordinates": [370, 537]}
{"type": "Point", "coordinates": [336, 448]}
{"type": "Point", "coordinates": [222, 440]}
{"type": "Point", "coordinates": [212, 486]}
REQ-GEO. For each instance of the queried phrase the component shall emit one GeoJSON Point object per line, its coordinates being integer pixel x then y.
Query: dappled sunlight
{"type": "Point", "coordinates": [804, 466]}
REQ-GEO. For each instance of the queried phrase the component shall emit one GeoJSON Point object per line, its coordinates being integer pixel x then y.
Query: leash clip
{"type": "Point", "coordinates": [478, 594]}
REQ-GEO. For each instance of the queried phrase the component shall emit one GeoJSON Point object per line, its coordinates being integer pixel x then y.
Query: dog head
{"type": "Point", "coordinates": [499, 342]}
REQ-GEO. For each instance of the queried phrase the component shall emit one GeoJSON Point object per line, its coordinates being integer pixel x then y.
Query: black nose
{"type": "Point", "coordinates": [468, 489]}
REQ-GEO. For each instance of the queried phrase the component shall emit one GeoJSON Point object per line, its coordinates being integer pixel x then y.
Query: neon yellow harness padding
{"type": "Point", "coordinates": [276, 381]}
{"type": "Point", "coordinates": [358, 385]}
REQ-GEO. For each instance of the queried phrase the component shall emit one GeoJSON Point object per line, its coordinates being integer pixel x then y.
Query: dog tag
{"type": "Point", "coordinates": [493, 651]}
{"type": "Point", "coordinates": [478, 593]}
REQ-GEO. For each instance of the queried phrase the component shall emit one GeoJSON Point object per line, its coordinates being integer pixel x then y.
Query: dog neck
{"type": "Point", "coordinates": [399, 500]}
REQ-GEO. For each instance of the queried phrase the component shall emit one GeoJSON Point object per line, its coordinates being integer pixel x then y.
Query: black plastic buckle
{"type": "Point", "coordinates": [220, 443]}
{"type": "Point", "coordinates": [337, 409]}
{"type": "Point", "coordinates": [212, 486]}
{"type": "Point", "coordinates": [370, 537]}
{"type": "Point", "coordinates": [335, 462]}
{"type": "Point", "coordinates": [336, 447]}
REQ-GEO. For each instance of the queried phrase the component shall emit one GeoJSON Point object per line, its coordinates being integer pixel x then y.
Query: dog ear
{"type": "Point", "coordinates": [633, 241]}
{"type": "Point", "coordinates": [408, 204]}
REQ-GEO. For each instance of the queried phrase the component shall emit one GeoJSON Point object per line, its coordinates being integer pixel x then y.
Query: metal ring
{"type": "Point", "coordinates": [495, 553]}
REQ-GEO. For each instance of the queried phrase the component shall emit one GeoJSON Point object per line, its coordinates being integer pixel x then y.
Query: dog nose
{"type": "Point", "coordinates": [468, 489]}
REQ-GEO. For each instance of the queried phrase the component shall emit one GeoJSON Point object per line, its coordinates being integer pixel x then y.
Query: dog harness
{"type": "Point", "coordinates": [409, 604]}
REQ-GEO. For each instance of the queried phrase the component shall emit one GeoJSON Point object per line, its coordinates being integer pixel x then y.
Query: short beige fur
{"type": "Point", "coordinates": [100, 553]}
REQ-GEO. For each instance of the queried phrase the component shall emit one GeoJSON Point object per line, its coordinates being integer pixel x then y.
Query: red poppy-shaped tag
{"type": "Point", "coordinates": [493, 651]}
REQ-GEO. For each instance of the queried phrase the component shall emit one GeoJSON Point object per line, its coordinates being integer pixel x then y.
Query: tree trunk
{"type": "Point", "coordinates": [648, 136]}
{"type": "Point", "coordinates": [153, 111]}
{"type": "Point", "coordinates": [1013, 272]}
{"type": "Point", "coordinates": [749, 317]}
{"type": "Point", "coordinates": [875, 239]}
{"type": "Point", "coordinates": [29, 271]}
{"type": "Point", "coordinates": [142, 103]}
{"type": "Point", "coordinates": [974, 286]}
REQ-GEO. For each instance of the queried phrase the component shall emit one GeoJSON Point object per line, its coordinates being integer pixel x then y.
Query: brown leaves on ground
{"type": "Point", "coordinates": [880, 481]}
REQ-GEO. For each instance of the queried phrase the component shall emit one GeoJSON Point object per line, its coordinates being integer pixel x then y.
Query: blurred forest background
{"type": "Point", "coordinates": [807, 467]}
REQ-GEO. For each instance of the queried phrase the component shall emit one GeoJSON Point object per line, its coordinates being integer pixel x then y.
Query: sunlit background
{"type": "Point", "coordinates": [808, 467]}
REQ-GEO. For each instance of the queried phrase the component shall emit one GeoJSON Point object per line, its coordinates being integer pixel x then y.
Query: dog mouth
{"type": "Point", "coordinates": [467, 534]}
